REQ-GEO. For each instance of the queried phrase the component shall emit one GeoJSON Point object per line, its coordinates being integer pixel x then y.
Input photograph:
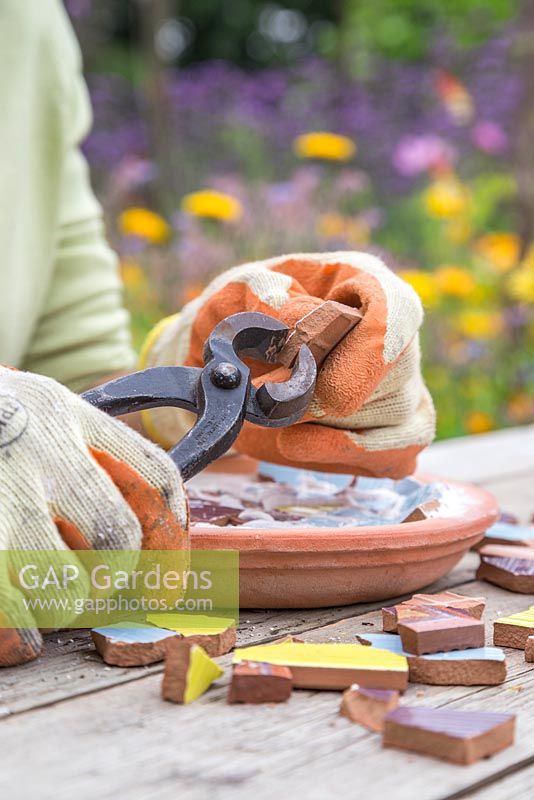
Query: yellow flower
{"type": "Point", "coordinates": [213, 205]}
{"type": "Point", "coordinates": [446, 198]}
{"type": "Point", "coordinates": [354, 231]}
{"type": "Point", "coordinates": [328, 146]}
{"type": "Point", "coordinates": [479, 422]}
{"type": "Point", "coordinates": [145, 224]}
{"type": "Point", "coordinates": [501, 250]}
{"type": "Point", "coordinates": [423, 283]}
{"type": "Point", "coordinates": [455, 281]}
{"type": "Point", "coordinates": [479, 324]}
{"type": "Point", "coordinates": [132, 275]}
{"type": "Point", "coordinates": [520, 285]}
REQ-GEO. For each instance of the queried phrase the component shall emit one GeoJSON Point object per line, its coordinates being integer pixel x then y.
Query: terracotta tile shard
{"type": "Point", "coordinates": [189, 672]}
{"type": "Point", "coordinates": [132, 647]}
{"type": "Point", "coordinates": [216, 635]}
{"type": "Point", "coordinates": [529, 649]}
{"type": "Point", "coordinates": [392, 615]}
{"type": "Point", "coordinates": [462, 737]}
{"type": "Point", "coordinates": [332, 666]}
{"type": "Point", "coordinates": [417, 515]}
{"type": "Point", "coordinates": [510, 567]}
{"type": "Point", "coordinates": [255, 683]}
{"type": "Point", "coordinates": [445, 630]}
{"type": "Point", "coordinates": [368, 707]}
{"type": "Point", "coordinates": [483, 666]}
{"type": "Point", "coordinates": [322, 330]}
{"type": "Point", "coordinates": [513, 631]}
{"type": "Point", "coordinates": [474, 606]}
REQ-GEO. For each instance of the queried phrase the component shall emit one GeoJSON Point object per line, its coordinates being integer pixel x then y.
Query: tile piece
{"type": "Point", "coordinates": [216, 635]}
{"type": "Point", "coordinates": [133, 646]}
{"type": "Point", "coordinates": [461, 737]}
{"type": "Point", "coordinates": [513, 631]}
{"type": "Point", "coordinates": [368, 707]}
{"type": "Point", "coordinates": [254, 682]}
{"type": "Point", "coordinates": [506, 533]}
{"type": "Point", "coordinates": [483, 666]}
{"type": "Point", "coordinates": [189, 672]}
{"type": "Point", "coordinates": [213, 512]}
{"type": "Point", "coordinates": [332, 666]}
{"type": "Point", "coordinates": [510, 567]}
{"type": "Point", "coordinates": [443, 631]}
{"type": "Point", "coordinates": [474, 606]}
{"type": "Point", "coordinates": [321, 329]}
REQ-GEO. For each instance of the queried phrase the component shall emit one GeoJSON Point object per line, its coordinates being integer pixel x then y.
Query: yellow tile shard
{"type": "Point", "coordinates": [332, 666]}
{"type": "Point", "coordinates": [522, 618]}
{"type": "Point", "coordinates": [200, 675]}
{"type": "Point", "coordinates": [191, 624]}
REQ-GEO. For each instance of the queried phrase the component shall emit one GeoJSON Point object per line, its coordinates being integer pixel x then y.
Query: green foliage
{"type": "Point", "coordinates": [406, 29]}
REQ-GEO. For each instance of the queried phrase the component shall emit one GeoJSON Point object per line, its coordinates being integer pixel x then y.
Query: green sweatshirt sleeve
{"type": "Point", "coordinates": [72, 325]}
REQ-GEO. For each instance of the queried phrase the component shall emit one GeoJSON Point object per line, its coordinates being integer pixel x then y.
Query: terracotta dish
{"type": "Point", "coordinates": [309, 567]}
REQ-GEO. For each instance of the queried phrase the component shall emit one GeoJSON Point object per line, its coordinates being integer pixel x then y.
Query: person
{"type": "Point", "coordinates": [71, 477]}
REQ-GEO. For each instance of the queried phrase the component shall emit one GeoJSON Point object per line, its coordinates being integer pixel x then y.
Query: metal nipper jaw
{"type": "Point", "coordinates": [221, 393]}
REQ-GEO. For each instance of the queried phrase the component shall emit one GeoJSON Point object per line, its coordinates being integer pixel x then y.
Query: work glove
{"type": "Point", "coordinates": [72, 477]}
{"type": "Point", "coordinates": [371, 413]}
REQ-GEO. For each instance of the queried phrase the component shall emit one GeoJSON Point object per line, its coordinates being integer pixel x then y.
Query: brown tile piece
{"type": "Point", "coordinates": [529, 649]}
{"type": "Point", "coordinates": [443, 631]}
{"type": "Point", "coordinates": [462, 737]}
{"type": "Point", "coordinates": [214, 513]}
{"type": "Point", "coordinates": [458, 672]}
{"type": "Point", "coordinates": [474, 606]}
{"type": "Point", "coordinates": [417, 515]}
{"type": "Point", "coordinates": [368, 707]}
{"type": "Point", "coordinates": [510, 567]}
{"type": "Point", "coordinates": [322, 330]}
{"type": "Point", "coordinates": [254, 682]}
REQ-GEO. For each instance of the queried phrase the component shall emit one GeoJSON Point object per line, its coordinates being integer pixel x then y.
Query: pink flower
{"type": "Point", "coordinates": [489, 137]}
{"type": "Point", "coordinates": [416, 154]}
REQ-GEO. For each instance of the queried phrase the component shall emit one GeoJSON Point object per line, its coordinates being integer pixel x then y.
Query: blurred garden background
{"type": "Point", "coordinates": [230, 130]}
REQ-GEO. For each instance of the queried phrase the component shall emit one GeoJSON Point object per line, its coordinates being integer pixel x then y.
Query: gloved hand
{"type": "Point", "coordinates": [72, 477]}
{"type": "Point", "coordinates": [371, 413]}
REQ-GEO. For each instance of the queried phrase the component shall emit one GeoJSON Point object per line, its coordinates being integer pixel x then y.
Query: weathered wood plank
{"type": "Point", "coordinates": [69, 665]}
{"type": "Point", "coordinates": [126, 741]}
{"type": "Point", "coordinates": [482, 458]}
{"type": "Point", "coordinates": [517, 786]}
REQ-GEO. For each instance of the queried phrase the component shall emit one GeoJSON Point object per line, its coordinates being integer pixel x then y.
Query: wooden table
{"type": "Point", "coordinates": [74, 728]}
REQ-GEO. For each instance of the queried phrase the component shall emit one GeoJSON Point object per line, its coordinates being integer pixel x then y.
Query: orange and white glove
{"type": "Point", "coordinates": [72, 477]}
{"type": "Point", "coordinates": [371, 413]}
